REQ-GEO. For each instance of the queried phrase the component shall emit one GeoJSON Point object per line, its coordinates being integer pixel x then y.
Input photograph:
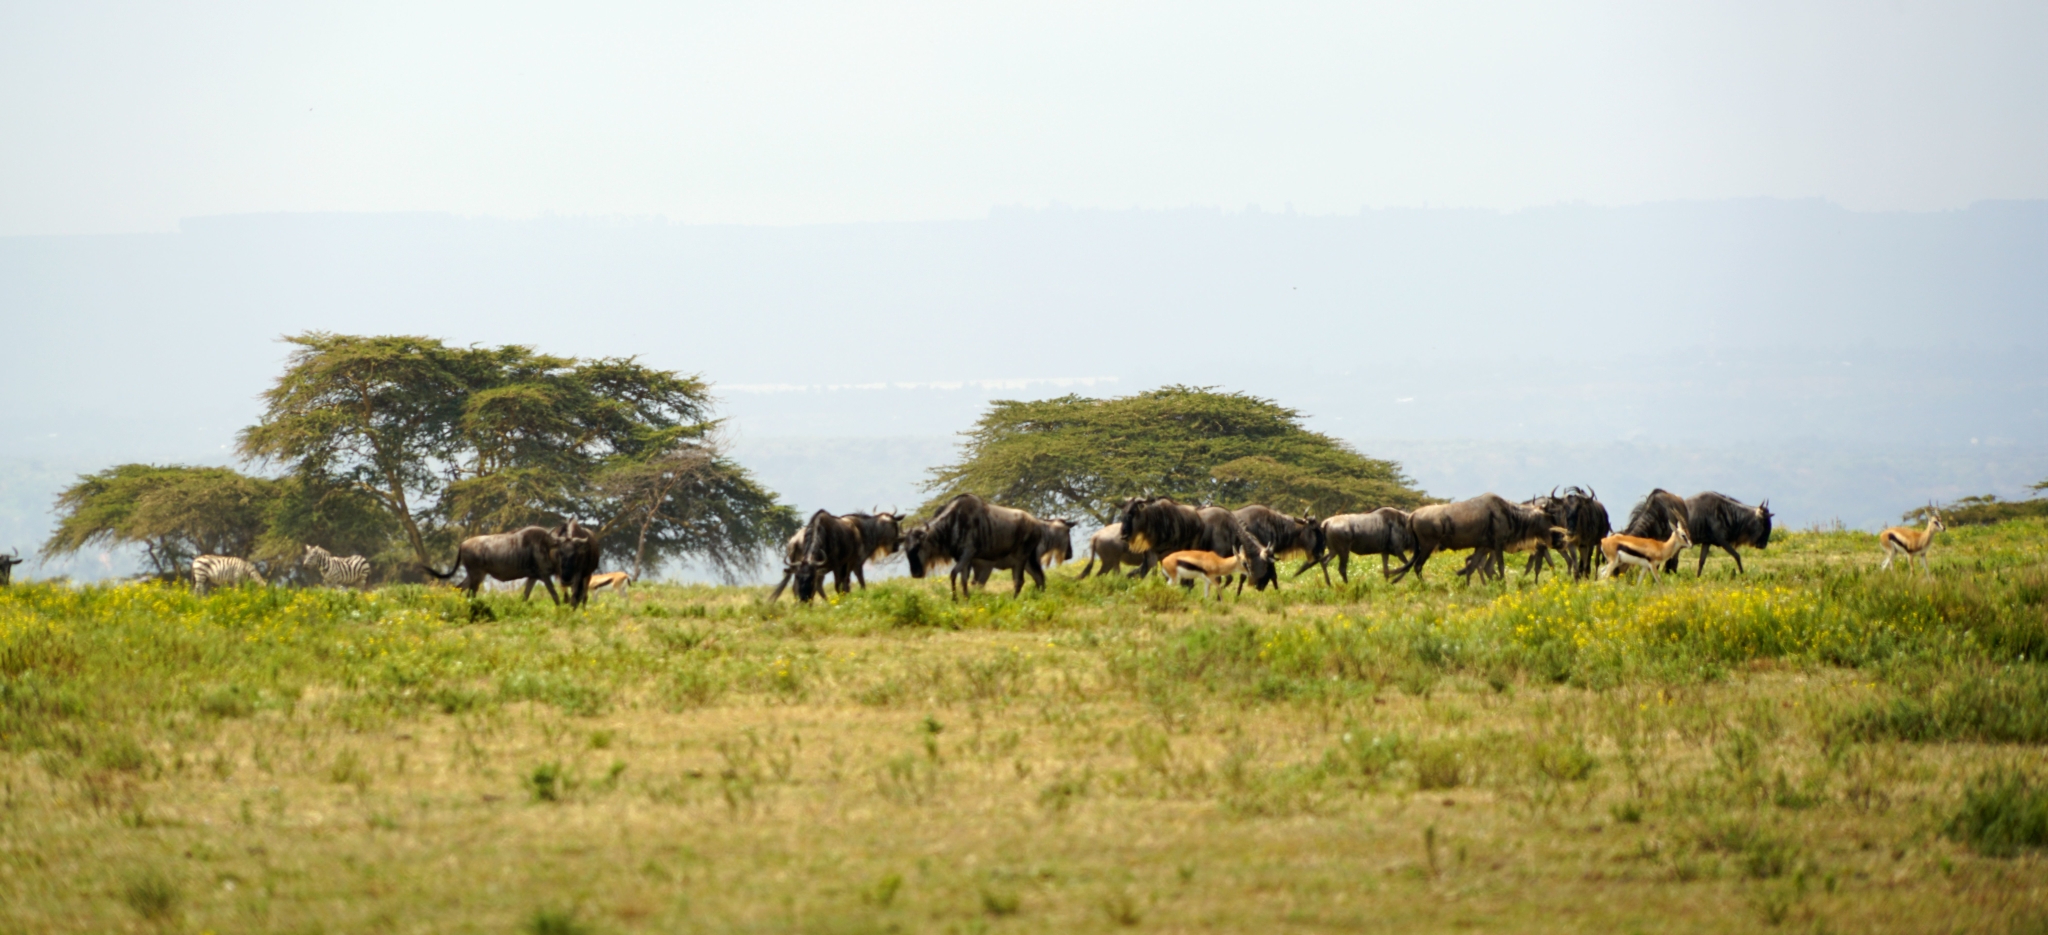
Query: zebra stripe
{"type": "Point", "coordinates": [209, 571]}
{"type": "Point", "coordinates": [350, 572]}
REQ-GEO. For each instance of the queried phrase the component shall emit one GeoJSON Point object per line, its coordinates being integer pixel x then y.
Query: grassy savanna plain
{"type": "Point", "coordinates": [1816, 746]}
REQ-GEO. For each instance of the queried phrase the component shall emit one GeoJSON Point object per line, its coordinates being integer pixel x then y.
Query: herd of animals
{"type": "Point", "coordinates": [973, 538]}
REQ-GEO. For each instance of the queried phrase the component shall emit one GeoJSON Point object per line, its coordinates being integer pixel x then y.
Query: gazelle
{"type": "Point", "coordinates": [610, 579]}
{"type": "Point", "coordinates": [1211, 568]}
{"type": "Point", "coordinates": [1912, 542]}
{"type": "Point", "coordinates": [1643, 553]}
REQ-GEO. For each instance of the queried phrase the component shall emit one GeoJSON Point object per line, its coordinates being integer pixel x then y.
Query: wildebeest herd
{"type": "Point", "coordinates": [972, 539]}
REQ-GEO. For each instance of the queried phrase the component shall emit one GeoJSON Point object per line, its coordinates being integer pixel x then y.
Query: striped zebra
{"type": "Point", "coordinates": [223, 570]}
{"type": "Point", "coordinates": [350, 572]}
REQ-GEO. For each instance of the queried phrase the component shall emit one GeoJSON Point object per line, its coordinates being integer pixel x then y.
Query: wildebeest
{"type": "Point", "coordinates": [879, 533]}
{"type": "Point", "coordinates": [209, 571]}
{"type": "Point", "coordinates": [577, 556]}
{"type": "Point", "coordinates": [1493, 564]}
{"type": "Point", "coordinates": [1655, 516]}
{"type": "Point", "coordinates": [969, 529]}
{"type": "Point", "coordinates": [1107, 547]}
{"type": "Point", "coordinates": [828, 545]}
{"type": "Point", "coordinates": [1286, 536]}
{"type": "Point", "coordinates": [1055, 547]}
{"type": "Point", "coordinates": [1382, 532]}
{"type": "Point", "coordinates": [1486, 522]}
{"type": "Point", "coordinates": [1158, 526]}
{"type": "Point", "coordinates": [1587, 522]}
{"type": "Point", "coordinates": [531, 553]}
{"type": "Point", "coordinates": [1716, 521]}
{"type": "Point", "coordinates": [7, 563]}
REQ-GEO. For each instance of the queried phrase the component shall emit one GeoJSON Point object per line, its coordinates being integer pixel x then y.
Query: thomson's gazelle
{"type": "Point", "coordinates": [1643, 553]}
{"type": "Point", "coordinates": [1912, 542]}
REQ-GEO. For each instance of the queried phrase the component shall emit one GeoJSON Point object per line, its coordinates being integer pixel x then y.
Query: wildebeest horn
{"type": "Point", "coordinates": [1553, 491]}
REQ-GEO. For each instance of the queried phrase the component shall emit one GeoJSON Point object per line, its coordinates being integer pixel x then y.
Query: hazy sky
{"type": "Point", "coordinates": [127, 117]}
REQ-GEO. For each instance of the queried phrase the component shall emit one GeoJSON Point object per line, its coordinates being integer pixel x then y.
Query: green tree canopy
{"type": "Point", "coordinates": [690, 500]}
{"type": "Point", "coordinates": [173, 513]}
{"type": "Point", "coordinates": [452, 441]}
{"type": "Point", "coordinates": [1057, 456]}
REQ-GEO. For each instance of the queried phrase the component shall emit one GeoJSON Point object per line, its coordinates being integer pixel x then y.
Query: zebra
{"type": "Point", "coordinates": [211, 570]}
{"type": "Point", "coordinates": [350, 572]}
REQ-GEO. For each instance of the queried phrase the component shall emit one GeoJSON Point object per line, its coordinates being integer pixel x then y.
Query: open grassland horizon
{"type": "Point", "coordinates": [1815, 746]}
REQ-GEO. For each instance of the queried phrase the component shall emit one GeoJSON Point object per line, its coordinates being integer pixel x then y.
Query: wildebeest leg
{"type": "Point", "coordinates": [1031, 564]}
{"type": "Point", "coordinates": [1145, 564]}
{"type": "Point", "coordinates": [861, 576]}
{"type": "Point", "coordinates": [1737, 556]}
{"type": "Point", "coordinates": [1344, 566]}
{"type": "Point", "coordinates": [550, 585]}
{"type": "Point", "coordinates": [1414, 563]}
{"type": "Point", "coordinates": [527, 594]}
{"type": "Point", "coordinates": [1090, 567]}
{"type": "Point", "coordinates": [1702, 569]}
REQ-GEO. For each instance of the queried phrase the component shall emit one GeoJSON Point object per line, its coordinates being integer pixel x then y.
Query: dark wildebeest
{"type": "Point", "coordinates": [1587, 522]}
{"type": "Point", "coordinates": [1486, 522]}
{"type": "Point", "coordinates": [1491, 564]}
{"type": "Point", "coordinates": [1159, 526]}
{"type": "Point", "coordinates": [577, 555]}
{"type": "Point", "coordinates": [880, 534]}
{"type": "Point", "coordinates": [7, 563]}
{"type": "Point", "coordinates": [1287, 536]}
{"type": "Point", "coordinates": [530, 553]}
{"type": "Point", "coordinates": [969, 529]}
{"type": "Point", "coordinates": [1056, 546]}
{"type": "Point", "coordinates": [1715, 521]}
{"type": "Point", "coordinates": [1382, 532]}
{"type": "Point", "coordinates": [1107, 546]}
{"type": "Point", "coordinates": [829, 545]}
{"type": "Point", "coordinates": [1655, 517]}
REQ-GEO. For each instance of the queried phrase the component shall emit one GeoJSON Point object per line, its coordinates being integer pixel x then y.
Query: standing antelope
{"type": "Point", "coordinates": [1912, 542]}
{"type": "Point", "coordinates": [1624, 550]}
{"type": "Point", "coordinates": [1186, 566]}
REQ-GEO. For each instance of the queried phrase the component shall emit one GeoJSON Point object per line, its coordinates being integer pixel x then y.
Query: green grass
{"type": "Point", "coordinates": [1815, 745]}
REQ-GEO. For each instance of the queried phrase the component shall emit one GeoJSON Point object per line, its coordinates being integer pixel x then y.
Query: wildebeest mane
{"type": "Point", "coordinates": [1653, 517]}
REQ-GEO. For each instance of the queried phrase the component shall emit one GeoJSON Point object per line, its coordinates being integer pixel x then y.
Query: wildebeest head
{"type": "Point", "coordinates": [7, 563]}
{"type": "Point", "coordinates": [805, 579]}
{"type": "Point", "coordinates": [1057, 544]}
{"type": "Point", "coordinates": [881, 532]}
{"type": "Point", "coordinates": [1763, 520]}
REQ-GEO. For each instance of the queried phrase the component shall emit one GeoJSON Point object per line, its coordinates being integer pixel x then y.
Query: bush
{"type": "Point", "coordinates": [2003, 812]}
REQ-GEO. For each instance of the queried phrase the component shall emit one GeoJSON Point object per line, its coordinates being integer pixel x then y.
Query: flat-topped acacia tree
{"type": "Point", "coordinates": [1056, 457]}
{"type": "Point", "coordinates": [452, 441]}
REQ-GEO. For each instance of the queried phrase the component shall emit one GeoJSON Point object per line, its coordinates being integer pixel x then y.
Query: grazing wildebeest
{"type": "Point", "coordinates": [1487, 522]}
{"type": "Point", "coordinates": [227, 570]}
{"type": "Point", "coordinates": [1659, 512]}
{"type": "Point", "coordinates": [1055, 548]}
{"type": "Point", "coordinates": [1107, 546]}
{"type": "Point", "coordinates": [1715, 521]}
{"type": "Point", "coordinates": [7, 563]}
{"type": "Point", "coordinates": [969, 529]}
{"type": "Point", "coordinates": [830, 545]}
{"type": "Point", "coordinates": [532, 553]}
{"type": "Point", "coordinates": [577, 556]}
{"type": "Point", "coordinates": [1587, 522]}
{"type": "Point", "coordinates": [1286, 536]}
{"type": "Point", "coordinates": [1382, 532]}
{"type": "Point", "coordinates": [880, 535]}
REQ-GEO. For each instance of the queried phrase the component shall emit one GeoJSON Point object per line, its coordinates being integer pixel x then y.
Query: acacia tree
{"type": "Point", "coordinates": [456, 440]}
{"type": "Point", "coordinates": [1073, 453]}
{"type": "Point", "coordinates": [173, 513]}
{"type": "Point", "coordinates": [690, 500]}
